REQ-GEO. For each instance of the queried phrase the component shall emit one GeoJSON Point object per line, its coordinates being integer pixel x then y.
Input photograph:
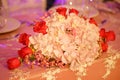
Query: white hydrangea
{"type": "Point", "coordinates": [68, 38]}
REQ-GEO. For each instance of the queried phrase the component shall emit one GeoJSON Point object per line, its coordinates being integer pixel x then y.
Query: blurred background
{"type": "Point", "coordinates": [26, 11]}
{"type": "Point", "coordinates": [23, 7]}
{"type": "Point", "coordinates": [19, 16]}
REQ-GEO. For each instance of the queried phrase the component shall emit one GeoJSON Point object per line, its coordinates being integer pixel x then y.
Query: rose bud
{"type": "Point", "coordinates": [24, 38]}
{"type": "Point", "coordinates": [74, 11]}
{"type": "Point", "coordinates": [102, 33]}
{"type": "Point", "coordinates": [40, 27]}
{"type": "Point", "coordinates": [13, 63]}
{"type": "Point", "coordinates": [110, 36]}
{"type": "Point", "coordinates": [24, 51]}
{"type": "Point", "coordinates": [62, 11]}
{"type": "Point", "coordinates": [92, 21]}
{"type": "Point", "coordinates": [104, 47]}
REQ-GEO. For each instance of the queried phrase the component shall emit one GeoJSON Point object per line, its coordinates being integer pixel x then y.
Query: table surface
{"type": "Point", "coordinates": [9, 41]}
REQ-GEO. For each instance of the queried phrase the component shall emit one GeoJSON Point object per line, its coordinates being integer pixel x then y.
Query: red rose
{"type": "Point", "coordinates": [104, 46]}
{"type": "Point", "coordinates": [110, 36]}
{"type": "Point", "coordinates": [13, 63]}
{"type": "Point", "coordinates": [62, 11]}
{"type": "Point", "coordinates": [102, 33]}
{"type": "Point", "coordinates": [74, 11]}
{"type": "Point", "coordinates": [40, 27]}
{"type": "Point", "coordinates": [92, 21]}
{"type": "Point", "coordinates": [84, 18]}
{"type": "Point", "coordinates": [24, 39]}
{"type": "Point", "coordinates": [24, 51]}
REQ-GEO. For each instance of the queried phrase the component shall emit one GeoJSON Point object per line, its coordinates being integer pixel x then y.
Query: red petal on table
{"type": "Point", "coordinates": [110, 36]}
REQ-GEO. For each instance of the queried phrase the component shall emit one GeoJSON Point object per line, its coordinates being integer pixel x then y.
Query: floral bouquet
{"type": "Point", "coordinates": [62, 38]}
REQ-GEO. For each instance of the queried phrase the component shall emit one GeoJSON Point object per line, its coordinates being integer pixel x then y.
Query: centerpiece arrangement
{"type": "Point", "coordinates": [62, 38]}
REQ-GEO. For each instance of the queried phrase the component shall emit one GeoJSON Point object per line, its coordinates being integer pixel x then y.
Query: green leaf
{"type": "Point", "coordinates": [32, 47]}
{"type": "Point", "coordinates": [51, 59]}
{"type": "Point", "coordinates": [32, 58]}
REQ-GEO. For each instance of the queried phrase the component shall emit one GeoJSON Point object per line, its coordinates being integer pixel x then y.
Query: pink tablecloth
{"type": "Point", "coordinates": [9, 44]}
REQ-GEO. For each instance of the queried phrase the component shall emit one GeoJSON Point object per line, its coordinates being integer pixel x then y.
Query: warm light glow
{"type": "Point", "coordinates": [91, 0]}
{"type": "Point", "coordinates": [70, 3]}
